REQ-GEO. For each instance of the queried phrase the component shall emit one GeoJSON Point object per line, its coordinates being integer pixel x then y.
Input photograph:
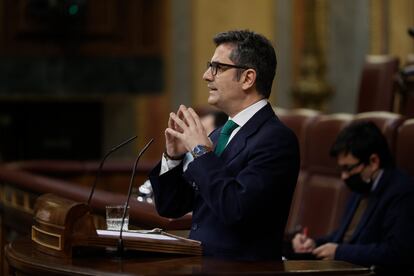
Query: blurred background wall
{"type": "Point", "coordinates": [79, 76]}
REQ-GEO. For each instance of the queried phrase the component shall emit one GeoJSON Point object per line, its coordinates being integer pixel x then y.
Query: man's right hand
{"type": "Point", "coordinates": [302, 243]}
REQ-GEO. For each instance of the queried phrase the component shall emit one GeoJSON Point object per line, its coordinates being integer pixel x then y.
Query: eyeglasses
{"type": "Point", "coordinates": [349, 168]}
{"type": "Point", "coordinates": [218, 65]}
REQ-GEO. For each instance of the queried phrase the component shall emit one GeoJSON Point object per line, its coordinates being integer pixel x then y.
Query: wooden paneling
{"type": "Point", "coordinates": [102, 27]}
{"type": "Point", "coordinates": [212, 17]}
{"type": "Point", "coordinates": [52, 129]}
{"type": "Point", "coordinates": [401, 13]}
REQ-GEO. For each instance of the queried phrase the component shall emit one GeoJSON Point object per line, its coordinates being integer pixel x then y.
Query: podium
{"type": "Point", "coordinates": [24, 259]}
{"type": "Point", "coordinates": [60, 225]}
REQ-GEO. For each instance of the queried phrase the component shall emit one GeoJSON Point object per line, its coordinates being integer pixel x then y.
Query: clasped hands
{"type": "Point", "coordinates": [303, 244]}
{"type": "Point", "coordinates": [184, 132]}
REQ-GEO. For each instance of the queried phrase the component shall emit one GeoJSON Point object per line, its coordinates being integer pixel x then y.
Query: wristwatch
{"type": "Point", "coordinates": [200, 150]}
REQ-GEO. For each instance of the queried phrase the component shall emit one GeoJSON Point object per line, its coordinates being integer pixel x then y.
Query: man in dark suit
{"type": "Point", "coordinates": [378, 225]}
{"type": "Point", "coordinates": [240, 183]}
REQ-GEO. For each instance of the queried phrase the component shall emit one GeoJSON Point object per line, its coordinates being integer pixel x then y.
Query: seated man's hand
{"type": "Point", "coordinates": [302, 243]}
{"type": "Point", "coordinates": [325, 251]}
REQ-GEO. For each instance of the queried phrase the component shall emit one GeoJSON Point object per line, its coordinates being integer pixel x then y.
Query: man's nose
{"type": "Point", "coordinates": [207, 76]}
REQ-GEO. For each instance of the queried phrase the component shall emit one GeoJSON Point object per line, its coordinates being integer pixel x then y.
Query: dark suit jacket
{"type": "Point", "coordinates": [385, 234]}
{"type": "Point", "coordinates": [240, 200]}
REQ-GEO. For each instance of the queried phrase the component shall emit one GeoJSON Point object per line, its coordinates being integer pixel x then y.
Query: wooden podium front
{"type": "Point", "coordinates": [61, 225]}
{"type": "Point", "coordinates": [24, 259]}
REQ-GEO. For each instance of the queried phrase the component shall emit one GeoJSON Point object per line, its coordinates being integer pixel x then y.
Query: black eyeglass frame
{"type": "Point", "coordinates": [349, 168]}
{"type": "Point", "coordinates": [214, 65]}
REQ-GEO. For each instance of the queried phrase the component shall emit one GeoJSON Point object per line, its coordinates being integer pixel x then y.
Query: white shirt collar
{"type": "Point", "coordinates": [243, 116]}
{"type": "Point", "coordinates": [376, 180]}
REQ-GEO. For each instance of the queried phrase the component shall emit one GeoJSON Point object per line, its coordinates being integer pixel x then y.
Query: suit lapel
{"type": "Point", "coordinates": [238, 143]}
{"type": "Point", "coordinates": [372, 204]}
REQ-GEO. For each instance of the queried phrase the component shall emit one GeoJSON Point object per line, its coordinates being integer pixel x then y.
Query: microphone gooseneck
{"type": "Point", "coordinates": [98, 173]}
{"type": "Point", "coordinates": [131, 181]}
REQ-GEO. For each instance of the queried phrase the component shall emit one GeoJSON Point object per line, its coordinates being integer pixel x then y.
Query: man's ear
{"type": "Point", "coordinates": [375, 161]}
{"type": "Point", "coordinates": [248, 78]}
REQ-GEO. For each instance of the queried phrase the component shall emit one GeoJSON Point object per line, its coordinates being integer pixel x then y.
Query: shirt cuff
{"type": "Point", "coordinates": [169, 164]}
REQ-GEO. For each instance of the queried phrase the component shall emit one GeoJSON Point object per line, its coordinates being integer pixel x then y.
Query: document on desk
{"type": "Point", "coordinates": [155, 240]}
{"type": "Point", "coordinates": [135, 234]}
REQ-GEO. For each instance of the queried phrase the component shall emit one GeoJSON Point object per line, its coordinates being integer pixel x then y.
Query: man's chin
{"type": "Point", "coordinates": [211, 101]}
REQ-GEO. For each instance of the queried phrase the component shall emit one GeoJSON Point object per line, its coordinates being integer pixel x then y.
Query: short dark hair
{"type": "Point", "coordinates": [255, 51]}
{"type": "Point", "coordinates": [362, 139]}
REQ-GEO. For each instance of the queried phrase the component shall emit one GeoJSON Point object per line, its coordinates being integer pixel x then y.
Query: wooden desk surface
{"type": "Point", "coordinates": [23, 258]}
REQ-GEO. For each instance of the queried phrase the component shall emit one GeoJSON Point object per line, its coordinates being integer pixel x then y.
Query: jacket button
{"type": "Point", "coordinates": [194, 227]}
{"type": "Point", "coordinates": [194, 185]}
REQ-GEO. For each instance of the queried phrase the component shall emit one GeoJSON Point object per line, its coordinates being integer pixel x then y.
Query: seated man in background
{"type": "Point", "coordinates": [378, 225]}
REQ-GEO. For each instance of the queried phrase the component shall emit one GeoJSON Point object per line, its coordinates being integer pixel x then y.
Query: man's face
{"type": "Point", "coordinates": [351, 165]}
{"type": "Point", "coordinates": [225, 91]}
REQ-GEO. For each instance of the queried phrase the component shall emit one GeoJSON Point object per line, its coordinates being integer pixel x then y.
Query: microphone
{"type": "Point", "coordinates": [131, 181]}
{"type": "Point", "coordinates": [98, 173]}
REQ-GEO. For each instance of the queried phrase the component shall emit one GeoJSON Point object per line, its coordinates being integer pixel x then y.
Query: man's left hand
{"type": "Point", "coordinates": [193, 132]}
{"type": "Point", "coordinates": [326, 251]}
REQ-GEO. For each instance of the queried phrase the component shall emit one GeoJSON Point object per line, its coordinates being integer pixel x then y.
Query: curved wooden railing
{"type": "Point", "coordinates": [20, 184]}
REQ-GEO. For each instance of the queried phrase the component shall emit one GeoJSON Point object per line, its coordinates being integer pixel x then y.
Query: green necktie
{"type": "Point", "coordinates": [227, 129]}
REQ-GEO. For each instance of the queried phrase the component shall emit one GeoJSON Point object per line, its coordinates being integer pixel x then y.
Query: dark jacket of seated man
{"type": "Point", "coordinates": [378, 224]}
{"type": "Point", "coordinates": [384, 235]}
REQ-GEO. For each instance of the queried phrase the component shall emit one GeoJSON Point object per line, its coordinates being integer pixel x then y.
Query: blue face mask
{"type": "Point", "coordinates": [356, 184]}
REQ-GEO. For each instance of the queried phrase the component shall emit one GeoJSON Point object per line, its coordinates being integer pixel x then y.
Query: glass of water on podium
{"type": "Point", "coordinates": [114, 217]}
